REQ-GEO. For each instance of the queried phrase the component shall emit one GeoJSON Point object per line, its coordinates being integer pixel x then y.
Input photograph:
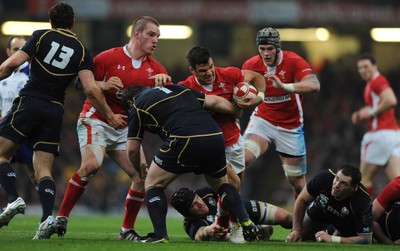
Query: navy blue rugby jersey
{"type": "Point", "coordinates": [57, 57]}
{"type": "Point", "coordinates": [192, 224]}
{"type": "Point", "coordinates": [353, 214]}
{"type": "Point", "coordinates": [172, 110]}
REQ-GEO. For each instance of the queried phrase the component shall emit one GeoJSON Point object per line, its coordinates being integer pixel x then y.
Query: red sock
{"type": "Point", "coordinates": [133, 202]}
{"type": "Point", "coordinates": [75, 188]}
{"type": "Point", "coordinates": [222, 215]}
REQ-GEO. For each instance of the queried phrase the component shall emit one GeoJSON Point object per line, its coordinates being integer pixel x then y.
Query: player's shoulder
{"type": "Point", "coordinates": [189, 81]}
{"type": "Point", "coordinates": [291, 55]}
{"type": "Point", "coordinates": [380, 80]}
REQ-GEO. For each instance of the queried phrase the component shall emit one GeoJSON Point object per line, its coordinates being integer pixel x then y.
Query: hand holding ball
{"type": "Point", "coordinates": [241, 92]}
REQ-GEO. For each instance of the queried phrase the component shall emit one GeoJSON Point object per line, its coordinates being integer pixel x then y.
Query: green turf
{"type": "Point", "coordinates": [101, 232]}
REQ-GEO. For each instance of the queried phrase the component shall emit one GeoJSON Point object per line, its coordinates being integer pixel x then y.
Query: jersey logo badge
{"type": "Point", "coordinates": [344, 211]}
{"type": "Point", "coordinates": [121, 67]}
{"type": "Point", "coordinates": [150, 72]}
{"type": "Point", "coordinates": [282, 74]}
{"type": "Point", "coordinates": [222, 86]}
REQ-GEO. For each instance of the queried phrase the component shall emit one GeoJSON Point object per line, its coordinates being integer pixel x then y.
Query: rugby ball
{"type": "Point", "coordinates": [242, 90]}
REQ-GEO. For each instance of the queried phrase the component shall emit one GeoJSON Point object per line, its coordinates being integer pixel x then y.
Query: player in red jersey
{"type": "Point", "coordinates": [115, 70]}
{"type": "Point", "coordinates": [279, 119]}
{"type": "Point", "coordinates": [386, 227]}
{"type": "Point", "coordinates": [209, 79]}
{"type": "Point", "coordinates": [380, 146]}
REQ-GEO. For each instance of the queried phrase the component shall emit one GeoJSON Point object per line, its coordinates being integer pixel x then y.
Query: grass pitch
{"type": "Point", "coordinates": [101, 233]}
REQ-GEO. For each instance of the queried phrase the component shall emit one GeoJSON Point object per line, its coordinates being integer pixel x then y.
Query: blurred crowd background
{"type": "Point", "coordinates": [229, 28]}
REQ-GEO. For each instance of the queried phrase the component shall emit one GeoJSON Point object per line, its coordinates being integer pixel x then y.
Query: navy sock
{"type": "Point", "coordinates": [231, 198]}
{"type": "Point", "coordinates": [47, 194]}
{"type": "Point", "coordinates": [157, 208]}
{"type": "Point", "coordinates": [8, 180]}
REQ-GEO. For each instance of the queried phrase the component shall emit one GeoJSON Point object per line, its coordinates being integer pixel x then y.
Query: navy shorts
{"type": "Point", "coordinates": [35, 121]}
{"type": "Point", "coordinates": [200, 155]}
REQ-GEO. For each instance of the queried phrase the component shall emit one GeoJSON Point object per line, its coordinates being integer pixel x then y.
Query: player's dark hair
{"type": "Point", "coordinates": [61, 15]}
{"type": "Point", "coordinates": [352, 171]}
{"type": "Point", "coordinates": [128, 94]}
{"type": "Point", "coordinates": [182, 199]}
{"type": "Point", "coordinates": [139, 23]}
{"type": "Point", "coordinates": [11, 38]}
{"type": "Point", "coordinates": [367, 56]}
{"type": "Point", "coordinates": [198, 55]}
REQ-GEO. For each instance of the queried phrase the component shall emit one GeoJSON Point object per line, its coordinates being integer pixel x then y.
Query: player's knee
{"type": "Point", "coordinates": [294, 170]}
{"type": "Point", "coordinates": [253, 150]}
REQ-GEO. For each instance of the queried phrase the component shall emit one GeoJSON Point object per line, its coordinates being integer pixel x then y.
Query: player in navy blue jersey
{"type": "Point", "coordinates": [201, 209]}
{"type": "Point", "coordinates": [337, 202]}
{"type": "Point", "coordinates": [57, 56]}
{"type": "Point", "coordinates": [193, 142]}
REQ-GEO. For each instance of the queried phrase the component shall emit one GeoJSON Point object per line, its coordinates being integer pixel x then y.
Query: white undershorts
{"type": "Point", "coordinates": [377, 147]}
{"type": "Point", "coordinates": [96, 132]}
{"type": "Point", "coordinates": [286, 141]}
{"type": "Point", "coordinates": [235, 155]}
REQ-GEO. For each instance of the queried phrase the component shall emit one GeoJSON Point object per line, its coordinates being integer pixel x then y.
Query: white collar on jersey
{"type": "Point", "coordinates": [206, 87]}
{"type": "Point", "coordinates": [135, 63]}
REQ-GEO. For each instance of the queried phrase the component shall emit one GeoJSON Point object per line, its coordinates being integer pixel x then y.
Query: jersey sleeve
{"type": "Point", "coordinates": [390, 193]}
{"type": "Point", "coordinates": [200, 96]}
{"type": "Point", "coordinates": [87, 63]}
{"type": "Point", "coordinates": [135, 128]}
{"type": "Point", "coordinates": [100, 66]}
{"type": "Point", "coordinates": [302, 68]}
{"type": "Point", "coordinates": [379, 85]}
{"type": "Point", "coordinates": [192, 225]}
{"type": "Point", "coordinates": [363, 215]}
{"type": "Point", "coordinates": [30, 45]}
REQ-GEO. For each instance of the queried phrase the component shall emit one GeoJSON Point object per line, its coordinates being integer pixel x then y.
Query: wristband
{"type": "Point", "coordinates": [373, 112]}
{"type": "Point", "coordinates": [336, 239]}
{"type": "Point", "coordinates": [288, 87]}
{"type": "Point", "coordinates": [261, 95]}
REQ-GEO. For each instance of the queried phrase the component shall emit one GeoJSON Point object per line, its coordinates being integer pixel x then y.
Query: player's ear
{"type": "Point", "coordinates": [191, 69]}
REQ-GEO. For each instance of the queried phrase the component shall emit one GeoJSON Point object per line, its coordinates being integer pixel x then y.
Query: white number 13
{"type": "Point", "coordinates": [65, 55]}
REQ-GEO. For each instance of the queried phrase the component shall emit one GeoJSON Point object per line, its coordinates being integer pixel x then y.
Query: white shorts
{"type": "Point", "coordinates": [96, 132]}
{"type": "Point", "coordinates": [286, 141]}
{"type": "Point", "coordinates": [377, 147]}
{"type": "Point", "coordinates": [235, 155]}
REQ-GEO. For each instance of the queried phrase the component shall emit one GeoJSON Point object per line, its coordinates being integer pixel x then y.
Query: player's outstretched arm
{"type": "Point", "coordinates": [8, 66]}
{"type": "Point", "coordinates": [219, 104]}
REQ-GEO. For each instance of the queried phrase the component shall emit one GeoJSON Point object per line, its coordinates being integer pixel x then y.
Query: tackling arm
{"type": "Point", "coordinates": [220, 104]}
{"type": "Point", "coordinates": [98, 100]}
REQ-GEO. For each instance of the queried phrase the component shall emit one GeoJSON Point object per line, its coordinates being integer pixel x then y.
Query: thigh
{"type": "Point", "coordinates": [158, 177]}
{"type": "Point", "coordinates": [96, 132]}
{"type": "Point", "coordinates": [261, 132]}
{"type": "Point", "coordinates": [392, 168]}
